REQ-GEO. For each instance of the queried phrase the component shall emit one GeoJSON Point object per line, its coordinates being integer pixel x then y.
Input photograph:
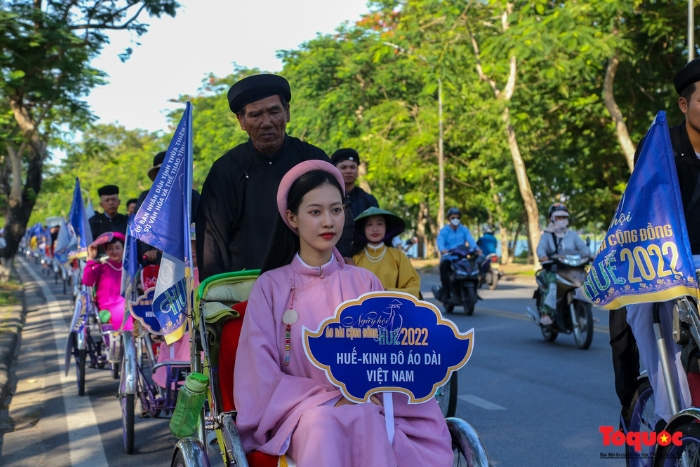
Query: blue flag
{"type": "Point", "coordinates": [66, 241]}
{"type": "Point", "coordinates": [78, 219]}
{"type": "Point", "coordinates": [645, 256]}
{"type": "Point", "coordinates": [130, 263]}
{"type": "Point", "coordinates": [163, 221]}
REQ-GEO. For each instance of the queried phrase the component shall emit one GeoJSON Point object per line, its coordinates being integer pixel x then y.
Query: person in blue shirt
{"type": "Point", "coordinates": [451, 236]}
{"type": "Point", "coordinates": [488, 242]}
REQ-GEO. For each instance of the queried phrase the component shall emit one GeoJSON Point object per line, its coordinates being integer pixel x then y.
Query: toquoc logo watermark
{"type": "Point", "coordinates": [638, 439]}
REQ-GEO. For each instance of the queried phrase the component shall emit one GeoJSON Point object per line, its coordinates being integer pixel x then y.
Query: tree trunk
{"type": "Point", "coordinates": [426, 249]}
{"type": "Point", "coordinates": [514, 244]}
{"type": "Point", "coordinates": [19, 208]}
{"type": "Point", "coordinates": [505, 95]}
{"type": "Point", "coordinates": [533, 215]}
{"type": "Point", "coordinates": [505, 256]}
{"type": "Point", "coordinates": [623, 136]}
{"type": "Point", "coordinates": [505, 252]}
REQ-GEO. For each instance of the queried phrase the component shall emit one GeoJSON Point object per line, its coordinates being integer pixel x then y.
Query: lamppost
{"type": "Point", "coordinates": [441, 163]}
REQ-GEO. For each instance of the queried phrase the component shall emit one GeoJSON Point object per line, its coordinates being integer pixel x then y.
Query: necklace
{"type": "Point", "coordinates": [375, 259]}
{"type": "Point", "coordinates": [288, 318]}
{"type": "Point", "coordinates": [110, 265]}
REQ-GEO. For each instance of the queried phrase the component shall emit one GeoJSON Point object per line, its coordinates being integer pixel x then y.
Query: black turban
{"type": "Point", "coordinates": [108, 190]}
{"type": "Point", "coordinates": [688, 75]}
{"type": "Point", "coordinates": [256, 87]}
{"type": "Point", "coordinates": [345, 154]}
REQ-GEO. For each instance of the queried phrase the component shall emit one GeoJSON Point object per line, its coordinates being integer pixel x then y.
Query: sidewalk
{"type": "Point", "coordinates": [12, 316]}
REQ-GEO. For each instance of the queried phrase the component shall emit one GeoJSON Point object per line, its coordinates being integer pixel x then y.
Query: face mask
{"type": "Point", "coordinates": [455, 221]}
{"type": "Point", "coordinates": [562, 224]}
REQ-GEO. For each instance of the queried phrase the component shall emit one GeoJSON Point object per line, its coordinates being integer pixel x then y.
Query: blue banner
{"type": "Point", "coordinates": [130, 262]}
{"type": "Point", "coordinates": [388, 342]}
{"type": "Point", "coordinates": [142, 310]}
{"type": "Point", "coordinates": [163, 221]}
{"type": "Point", "coordinates": [645, 256]}
{"type": "Point", "coordinates": [65, 242]}
{"type": "Point", "coordinates": [78, 219]}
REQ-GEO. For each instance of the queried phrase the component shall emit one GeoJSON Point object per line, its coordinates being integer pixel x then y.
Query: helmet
{"type": "Point", "coordinates": [488, 229]}
{"type": "Point", "coordinates": [557, 207]}
{"type": "Point", "coordinates": [453, 212]}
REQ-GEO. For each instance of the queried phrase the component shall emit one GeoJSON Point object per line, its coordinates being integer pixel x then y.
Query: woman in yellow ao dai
{"type": "Point", "coordinates": [374, 229]}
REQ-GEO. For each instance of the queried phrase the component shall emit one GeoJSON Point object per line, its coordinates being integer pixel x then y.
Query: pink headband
{"type": "Point", "coordinates": [292, 176]}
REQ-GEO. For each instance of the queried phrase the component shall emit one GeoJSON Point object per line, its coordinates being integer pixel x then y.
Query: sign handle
{"type": "Point", "coordinates": [389, 416]}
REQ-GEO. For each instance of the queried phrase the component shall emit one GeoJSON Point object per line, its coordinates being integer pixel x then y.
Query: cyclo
{"type": "Point", "coordinates": [219, 305]}
{"type": "Point", "coordinates": [88, 336]}
{"type": "Point", "coordinates": [140, 379]}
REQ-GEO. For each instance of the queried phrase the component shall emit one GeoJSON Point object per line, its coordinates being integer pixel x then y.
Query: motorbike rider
{"type": "Point", "coordinates": [557, 240]}
{"type": "Point", "coordinates": [451, 236]}
{"type": "Point", "coordinates": [488, 242]}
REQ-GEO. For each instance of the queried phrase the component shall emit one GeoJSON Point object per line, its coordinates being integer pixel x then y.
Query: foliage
{"type": "Point", "coordinates": [107, 155]}
{"type": "Point", "coordinates": [46, 49]}
{"type": "Point", "coordinates": [373, 85]}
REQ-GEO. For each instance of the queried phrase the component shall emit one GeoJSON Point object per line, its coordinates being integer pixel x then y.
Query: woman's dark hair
{"type": "Point", "coordinates": [284, 243]}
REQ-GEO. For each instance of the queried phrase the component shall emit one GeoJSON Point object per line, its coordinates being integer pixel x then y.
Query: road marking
{"type": "Point", "coordinates": [84, 439]}
{"type": "Point", "coordinates": [479, 402]}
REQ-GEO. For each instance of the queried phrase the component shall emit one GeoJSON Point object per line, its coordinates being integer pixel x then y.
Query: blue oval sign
{"type": "Point", "coordinates": [388, 342]}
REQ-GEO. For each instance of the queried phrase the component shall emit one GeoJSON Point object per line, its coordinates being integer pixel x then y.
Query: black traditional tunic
{"type": "Point", "coordinates": [100, 223]}
{"type": "Point", "coordinates": [360, 201]}
{"type": "Point", "coordinates": [237, 212]}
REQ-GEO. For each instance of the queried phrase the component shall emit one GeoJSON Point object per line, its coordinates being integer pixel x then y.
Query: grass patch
{"type": "Point", "coordinates": [9, 291]}
{"type": "Point", "coordinates": [530, 272]}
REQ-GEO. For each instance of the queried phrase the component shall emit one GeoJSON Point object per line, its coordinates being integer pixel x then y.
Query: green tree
{"type": "Point", "coordinates": [107, 155]}
{"type": "Point", "coordinates": [47, 48]}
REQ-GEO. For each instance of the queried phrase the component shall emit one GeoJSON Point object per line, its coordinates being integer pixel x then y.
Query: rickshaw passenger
{"type": "Point", "coordinates": [107, 277]}
{"type": "Point", "coordinates": [374, 230]}
{"type": "Point", "coordinates": [285, 404]}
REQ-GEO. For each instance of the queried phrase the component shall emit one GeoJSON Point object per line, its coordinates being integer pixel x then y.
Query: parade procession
{"type": "Point", "coordinates": [395, 233]}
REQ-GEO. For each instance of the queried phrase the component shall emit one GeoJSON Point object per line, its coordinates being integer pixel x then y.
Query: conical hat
{"type": "Point", "coordinates": [394, 224]}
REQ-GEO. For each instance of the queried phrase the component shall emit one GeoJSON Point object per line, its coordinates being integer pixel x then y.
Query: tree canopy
{"type": "Point", "coordinates": [570, 85]}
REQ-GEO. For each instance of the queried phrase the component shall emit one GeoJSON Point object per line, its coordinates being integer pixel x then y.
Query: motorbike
{"type": "Point", "coordinates": [489, 273]}
{"type": "Point", "coordinates": [573, 315]}
{"type": "Point", "coordinates": [465, 279]}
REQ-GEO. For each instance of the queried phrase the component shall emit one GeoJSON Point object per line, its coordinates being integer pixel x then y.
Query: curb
{"type": "Point", "coordinates": [10, 339]}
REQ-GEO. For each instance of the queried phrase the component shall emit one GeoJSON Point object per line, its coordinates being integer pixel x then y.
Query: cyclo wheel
{"type": "Point", "coordinates": [584, 316]}
{"type": "Point", "coordinates": [127, 405]}
{"type": "Point", "coordinates": [467, 448]}
{"type": "Point", "coordinates": [80, 359]}
{"type": "Point", "coordinates": [641, 419]}
{"type": "Point", "coordinates": [446, 397]}
{"type": "Point", "coordinates": [179, 460]}
{"type": "Point", "coordinates": [672, 455]}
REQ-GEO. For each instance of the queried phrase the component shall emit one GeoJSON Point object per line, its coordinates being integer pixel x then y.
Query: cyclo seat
{"type": "Point", "coordinates": [215, 295]}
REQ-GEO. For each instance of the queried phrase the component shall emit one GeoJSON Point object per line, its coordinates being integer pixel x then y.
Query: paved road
{"type": "Point", "coordinates": [533, 403]}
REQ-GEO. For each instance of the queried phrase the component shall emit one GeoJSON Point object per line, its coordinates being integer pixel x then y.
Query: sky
{"type": "Point", "coordinates": [206, 36]}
